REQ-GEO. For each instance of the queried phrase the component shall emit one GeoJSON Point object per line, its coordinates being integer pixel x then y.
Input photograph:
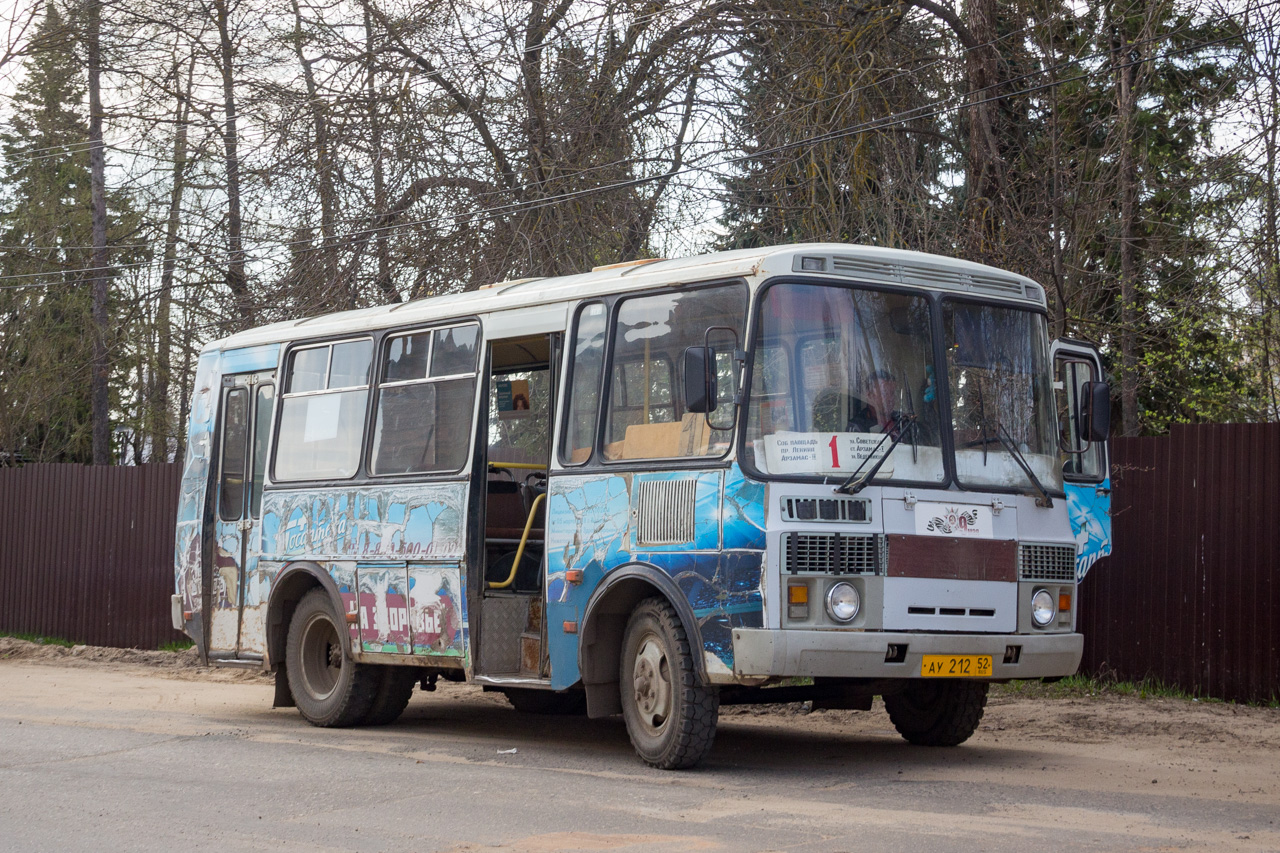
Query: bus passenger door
{"type": "Point", "coordinates": [517, 441]}
{"type": "Point", "coordinates": [236, 626]}
{"type": "Point", "coordinates": [1081, 397]}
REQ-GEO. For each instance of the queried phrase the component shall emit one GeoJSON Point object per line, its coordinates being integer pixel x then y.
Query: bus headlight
{"type": "Point", "coordinates": [843, 602]}
{"type": "Point", "coordinates": [1043, 608]}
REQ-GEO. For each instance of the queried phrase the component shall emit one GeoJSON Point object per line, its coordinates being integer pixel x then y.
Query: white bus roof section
{"type": "Point", "coordinates": [827, 260]}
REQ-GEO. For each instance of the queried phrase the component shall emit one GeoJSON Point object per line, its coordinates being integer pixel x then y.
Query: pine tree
{"type": "Point", "coordinates": [45, 257]}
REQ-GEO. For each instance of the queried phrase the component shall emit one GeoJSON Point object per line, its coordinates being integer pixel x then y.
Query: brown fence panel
{"type": "Point", "coordinates": [86, 553]}
{"type": "Point", "coordinates": [1188, 595]}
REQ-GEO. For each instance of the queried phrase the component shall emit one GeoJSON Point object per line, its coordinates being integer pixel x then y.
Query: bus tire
{"type": "Point", "coordinates": [330, 689]}
{"type": "Point", "coordinates": [395, 687]}
{"type": "Point", "coordinates": [670, 716]}
{"type": "Point", "coordinates": [937, 713]}
{"type": "Point", "coordinates": [529, 701]}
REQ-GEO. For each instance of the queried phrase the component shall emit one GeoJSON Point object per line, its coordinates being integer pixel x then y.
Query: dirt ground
{"type": "Point", "coordinates": [1110, 771]}
{"type": "Point", "coordinates": [1170, 726]}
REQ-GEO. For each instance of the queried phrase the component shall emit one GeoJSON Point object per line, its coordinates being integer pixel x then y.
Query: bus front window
{"type": "Point", "coordinates": [838, 373]}
{"type": "Point", "coordinates": [998, 369]}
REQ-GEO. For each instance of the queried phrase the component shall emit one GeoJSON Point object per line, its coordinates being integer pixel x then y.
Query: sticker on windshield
{"type": "Point", "coordinates": [826, 452]}
{"type": "Point", "coordinates": [956, 520]}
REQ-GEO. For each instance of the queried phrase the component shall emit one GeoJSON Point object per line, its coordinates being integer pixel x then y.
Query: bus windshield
{"type": "Point", "coordinates": [838, 374]}
{"type": "Point", "coordinates": [1001, 397]}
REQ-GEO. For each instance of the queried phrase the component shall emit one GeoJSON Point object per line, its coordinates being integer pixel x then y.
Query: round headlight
{"type": "Point", "coordinates": [843, 602]}
{"type": "Point", "coordinates": [1043, 607]}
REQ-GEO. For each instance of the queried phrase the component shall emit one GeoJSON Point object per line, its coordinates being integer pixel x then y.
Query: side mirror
{"type": "Point", "coordinates": [699, 379]}
{"type": "Point", "coordinates": [1095, 410]}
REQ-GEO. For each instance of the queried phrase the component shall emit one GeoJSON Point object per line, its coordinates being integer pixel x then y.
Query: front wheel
{"type": "Point", "coordinates": [329, 689]}
{"type": "Point", "coordinates": [670, 716]}
{"type": "Point", "coordinates": [937, 713]}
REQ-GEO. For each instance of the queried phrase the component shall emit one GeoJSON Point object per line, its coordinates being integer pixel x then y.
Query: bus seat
{"type": "Point", "coordinates": [505, 514]}
{"type": "Point", "coordinates": [686, 437]}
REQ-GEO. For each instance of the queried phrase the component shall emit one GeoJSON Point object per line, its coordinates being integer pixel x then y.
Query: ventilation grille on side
{"type": "Point", "coordinates": [665, 511]}
{"type": "Point", "coordinates": [833, 553]}
{"type": "Point", "coordinates": [928, 276]}
{"type": "Point", "coordinates": [1047, 563]}
{"type": "Point", "coordinates": [826, 509]}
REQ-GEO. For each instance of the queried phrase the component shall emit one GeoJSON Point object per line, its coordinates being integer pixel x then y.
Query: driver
{"type": "Point", "coordinates": [876, 412]}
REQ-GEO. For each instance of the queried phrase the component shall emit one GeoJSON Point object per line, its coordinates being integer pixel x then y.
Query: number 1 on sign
{"type": "Point", "coordinates": [835, 455]}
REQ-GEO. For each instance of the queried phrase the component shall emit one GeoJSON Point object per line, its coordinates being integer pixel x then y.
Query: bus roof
{"type": "Point", "coordinates": [864, 263]}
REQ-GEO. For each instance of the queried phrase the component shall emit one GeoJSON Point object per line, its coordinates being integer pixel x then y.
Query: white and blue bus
{"type": "Point", "coordinates": [804, 473]}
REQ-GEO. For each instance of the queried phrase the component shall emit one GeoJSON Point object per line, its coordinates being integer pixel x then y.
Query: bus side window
{"type": "Point", "coordinates": [235, 423]}
{"type": "Point", "coordinates": [424, 415]}
{"type": "Point", "coordinates": [264, 405]}
{"type": "Point", "coordinates": [322, 411]}
{"type": "Point", "coordinates": [583, 405]}
{"type": "Point", "coordinates": [646, 419]}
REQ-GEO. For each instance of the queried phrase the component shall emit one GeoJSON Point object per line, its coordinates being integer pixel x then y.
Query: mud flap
{"type": "Point", "coordinates": [283, 697]}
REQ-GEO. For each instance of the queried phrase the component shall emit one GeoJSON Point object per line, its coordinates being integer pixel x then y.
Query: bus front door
{"type": "Point", "coordinates": [235, 629]}
{"type": "Point", "coordinates": [1080, 388]}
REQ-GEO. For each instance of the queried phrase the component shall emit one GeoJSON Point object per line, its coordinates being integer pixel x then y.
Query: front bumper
{"type": "Point", "coordinates": [861, 654]}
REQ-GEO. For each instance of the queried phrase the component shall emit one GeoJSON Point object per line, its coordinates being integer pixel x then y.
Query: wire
{"type": "Point", "coordinates": [924, 111]}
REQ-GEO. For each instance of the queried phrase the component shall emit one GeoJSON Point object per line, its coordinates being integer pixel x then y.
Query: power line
{"type": "Point", "coordinates": [924, 111]}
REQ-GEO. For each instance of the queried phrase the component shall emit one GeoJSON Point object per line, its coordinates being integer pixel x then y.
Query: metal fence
{"type": "Point", "coordinates": [86, 553]}
{"type": "Point", "coordinates": [1190, 595]}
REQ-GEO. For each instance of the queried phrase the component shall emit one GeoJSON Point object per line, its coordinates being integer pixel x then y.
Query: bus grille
{"type": "Point", "coordinates": [826, 509]}
{"type": "Point", "coordinates": [665, 512]}
{"type": "Point", "coordinates": [833, 553]}
{"type": "Point", "coordinates": [1047, 563]}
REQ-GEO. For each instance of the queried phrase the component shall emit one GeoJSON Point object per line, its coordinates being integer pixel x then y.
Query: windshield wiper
{"type": "Point", "coordinates": [853, 485]}
{"type": "Point", "coordinates": [1007, 440]}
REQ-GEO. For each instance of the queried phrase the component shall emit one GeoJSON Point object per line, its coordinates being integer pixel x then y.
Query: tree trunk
{"type": "Point", "coordinates": [163, 430]}
{"type": "Point", "coordinates": [984, 164]}
{"type": "Point", "coordinates": [382, 244]}
{"type": "Point", "coordinates": [324, 173]}
{"type": "Point", "coordinates": [1127, 56]}
{"type": "Point", "coordinates": [237, 280]}
{"type": "Point", "coordinates": [100, 403]}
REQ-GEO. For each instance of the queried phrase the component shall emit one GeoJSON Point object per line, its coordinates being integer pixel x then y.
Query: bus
{"type": "Point", "coordinates": [814, 472]}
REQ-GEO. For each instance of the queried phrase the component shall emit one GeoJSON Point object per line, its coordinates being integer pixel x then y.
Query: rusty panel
{"type": "Point", "coordinates": [86, 553]}
{"type": "Point", "coordinates": [952, 559]}
{"type": "Point", "coordinates": [1188, 596]}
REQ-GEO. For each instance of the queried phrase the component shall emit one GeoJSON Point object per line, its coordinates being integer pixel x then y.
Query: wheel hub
{"type": "Point", "coordinates": [321, 658]}
{"type": "Point", "coordinates": [651, 683]}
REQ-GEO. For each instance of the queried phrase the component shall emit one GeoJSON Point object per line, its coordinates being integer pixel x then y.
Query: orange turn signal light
{"type": "Point", "coordinates": [573, 576]}
{"type": "Point", "coordinates": [1064, 602]}
{"type": "Point", "coordinates": [798, 594]}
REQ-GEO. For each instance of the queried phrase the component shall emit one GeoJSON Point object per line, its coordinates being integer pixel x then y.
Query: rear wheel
{"type": "Point", "coordinates": [529, 701]}
{"type": "Point", "coordinates": [670, 716]}
{"type": "Point", "coordinates": [937, 713]}
{"type": "Point", "coordinates": [395, 687]}
{"type": "Point", "coordinates": [328, 688]}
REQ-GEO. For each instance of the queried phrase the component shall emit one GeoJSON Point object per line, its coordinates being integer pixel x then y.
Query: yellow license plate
{"type": "Point", "coordinates": [956, 666]}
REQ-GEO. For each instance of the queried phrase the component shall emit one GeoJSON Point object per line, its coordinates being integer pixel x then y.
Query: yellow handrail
{"type": "Point", "coordinates": [531, 466]}
{"type": "Point", "coordinates": [524, 537]}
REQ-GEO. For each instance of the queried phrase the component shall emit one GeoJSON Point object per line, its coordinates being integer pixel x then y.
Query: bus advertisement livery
{"type": "Point", "coordinates": [811, 472]}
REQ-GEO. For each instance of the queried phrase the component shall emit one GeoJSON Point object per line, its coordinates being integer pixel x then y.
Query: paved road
{"type": "Point", "coordinates": [123, 759]}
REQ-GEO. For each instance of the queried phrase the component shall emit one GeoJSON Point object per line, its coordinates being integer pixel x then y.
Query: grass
{"type": "Point", "coordinates": [176, 646]}
{"type": "Point", "coordinates": [1085, 686]}
{"type": "Point", "coordinates": [36, 638]}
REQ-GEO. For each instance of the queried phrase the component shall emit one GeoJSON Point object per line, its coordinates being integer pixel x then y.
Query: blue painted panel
{"type": "Point", "coordinates": [425, 520]}
{"type": "Point", "coordinates": [743, 512]}
{"type": "Point", "coordinates": [248, 359]}
{"type": "Point", "coordinates": [195, 481]}
{"type": "Point", "coordinates": [1089, 508]}
{"type": "Point", "coordinates": [589, 528]}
